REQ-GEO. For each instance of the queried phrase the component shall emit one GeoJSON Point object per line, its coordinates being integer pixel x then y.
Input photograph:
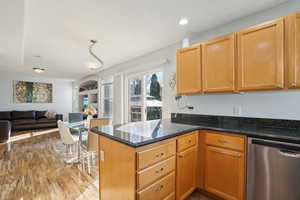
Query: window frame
{"type": "Point", "coordinates": [140, 74]}
{"type": "Point", "coordinates": [103, 98]}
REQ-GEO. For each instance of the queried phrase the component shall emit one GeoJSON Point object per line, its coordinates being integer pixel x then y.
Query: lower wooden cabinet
{"type": "Point", "coordinates": [186, 165]}
{"type": "Point", "coordinates": [159, 190]}
{"type": "Point", "coordinates": [186, 172]}
{"type": "Point", "coordinates": [225, 170]}
{"type": "Point", "coordinates": [170, 169]}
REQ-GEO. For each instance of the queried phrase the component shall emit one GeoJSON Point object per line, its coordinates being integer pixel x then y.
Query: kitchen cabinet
{"type": "Point", "coordinates": [189, 70]}
{"type": "Point", "coordinates": [201, 161]}
{"type": "Point", "coordinates": [218, 64]}
{"type": "Point", "coordinates": [186, 165]}
{"type": "Point", "coordinates": [225, 165]}
{"type": "Point", "coordinates": [151, 171]}
{"type": "Point", "coordinates": [293, 50]}
{"type": "Point", "coordinates": [117, 170]}
{"type": "Point", "coordinates": [173, 168]}
{"type": "Point", "coordinates": [186, 172]}
{"type": "Point", "coordinates": [261, 56]}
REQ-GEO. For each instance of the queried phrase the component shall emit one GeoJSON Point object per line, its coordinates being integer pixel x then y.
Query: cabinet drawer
{"type": "Point", "coordinates": [185, 142]}
{"type": "Point", "coordinates": [234, 142]}
{"type": "Point", "coordinates": [153, 173]}
{"type": "Point", "coordinates": [159, 190]}
{"type": "Point", "coordinates": [170, 197]}
{"type": "Point", "coordinates": [156, 154]}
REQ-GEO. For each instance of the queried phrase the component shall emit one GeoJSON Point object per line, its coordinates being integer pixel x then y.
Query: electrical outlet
{"type": "Point", "coordinates": [102, 156]}
{"type": "Point", "coordinates": [237, 110]}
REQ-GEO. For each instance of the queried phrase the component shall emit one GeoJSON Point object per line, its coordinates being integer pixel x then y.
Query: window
{"type": "Point", "coordinates": [85, 101]}
{"type": "Point", "coordinates": [145, 97]}
{"type": "Point", "coordinates": [107, 97]}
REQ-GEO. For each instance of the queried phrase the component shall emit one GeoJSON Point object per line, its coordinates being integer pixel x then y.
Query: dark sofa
{"type": "Point", "coordinates": [25, 120]}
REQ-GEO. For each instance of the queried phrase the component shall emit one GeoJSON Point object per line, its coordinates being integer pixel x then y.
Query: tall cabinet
{"type": "Point", "coordinates": [189, 70]}
{"type": "Point", "coordinates": [218, 64]}
{"type": "Point", "coordinates": [293, 48]}
{"type": "Point", "coordinates": [261, 57]}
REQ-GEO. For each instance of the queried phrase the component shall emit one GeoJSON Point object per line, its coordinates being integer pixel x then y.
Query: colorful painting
{"type": "Point", "coordinates": [32, 92]}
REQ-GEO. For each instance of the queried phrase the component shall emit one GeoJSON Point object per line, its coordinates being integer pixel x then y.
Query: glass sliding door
{"type": "Point", "coordinates": [145, 97]}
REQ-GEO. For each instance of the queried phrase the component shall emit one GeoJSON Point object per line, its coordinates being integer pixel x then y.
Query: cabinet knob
{"type": "Point", "coordinates": [159, 188]}
{"type": "Point", "coordinates": [222, 141]}
{"type": "Point", "coordinates": [160, 170]}
{"type": "Point", "coordinates": [159, 155]}
{"type": "Point", "coordinates": [279, 85]}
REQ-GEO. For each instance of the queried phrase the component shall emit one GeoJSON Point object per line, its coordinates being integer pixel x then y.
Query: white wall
{"type": "Point", "coordinates": [62, 94]}
{"type": "Point", "coordinates": [277, 104]}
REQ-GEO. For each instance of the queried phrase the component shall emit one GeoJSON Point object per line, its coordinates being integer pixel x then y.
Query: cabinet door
{"type": "Point", "coordinates": [189, 70]}
{"type": "Point", "coordinates": [293, 47]}
{"type": "Point", "coordinates": [186, 172]}
{"type": "Point", "coordinates": [261, 57]}
{"type": "Point", "coordinates": [225, 173]}
{"type": "Point", "coordinates": [218, 64]}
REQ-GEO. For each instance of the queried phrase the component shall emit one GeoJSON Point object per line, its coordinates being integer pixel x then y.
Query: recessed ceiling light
{"type": "Point", "coordinates": [38, 70]}
{"type": "Point", "coordinates": [183, 21]}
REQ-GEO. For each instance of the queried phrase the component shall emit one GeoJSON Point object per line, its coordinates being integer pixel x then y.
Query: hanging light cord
{"type": "Point", "coordinates": [93, 42]}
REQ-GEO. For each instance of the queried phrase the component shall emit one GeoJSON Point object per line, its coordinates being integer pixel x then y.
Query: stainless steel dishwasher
{"type": "Point", "coordinates": [273, 171]}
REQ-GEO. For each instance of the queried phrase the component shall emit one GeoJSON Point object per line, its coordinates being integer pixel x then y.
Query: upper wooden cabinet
{"type": "Point", "coordinates": [218, 64]}
{"type": "Point", "coordinates": [261, 57]}
{"type": "Point", "coordinates": [293, 48]}
{"type": "Point", "coordinates": [189, 70]}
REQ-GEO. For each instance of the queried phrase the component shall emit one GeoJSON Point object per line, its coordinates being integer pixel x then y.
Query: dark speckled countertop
{"type": "Point", "coordinates": [141, 133]}
{"type": "Point", "coordinates": [137, 134]}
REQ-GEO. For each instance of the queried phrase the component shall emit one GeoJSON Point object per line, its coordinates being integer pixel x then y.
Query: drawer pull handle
{"type": "Point", "coordinates": [180, 156]}
{"type": "Point", "coordinates": [159, 155]}
{"type": "Point", "coordinates": [189, 141]}
{"type": "Point", "coordinates": [222, 141]}
{"type": "Point", "coordinates": [159, 188]}
{"type": "Point", "coordinates": [160, 170]}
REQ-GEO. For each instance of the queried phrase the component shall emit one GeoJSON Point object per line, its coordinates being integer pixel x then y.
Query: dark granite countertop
{"type": "Point", "coordinates": [137, 134]}
{"type": "Point", "coordinates": [141, 133]}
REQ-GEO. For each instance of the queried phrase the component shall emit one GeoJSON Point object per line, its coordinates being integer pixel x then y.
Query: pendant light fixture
{"type": "Point", "coordinates": [93, 65]}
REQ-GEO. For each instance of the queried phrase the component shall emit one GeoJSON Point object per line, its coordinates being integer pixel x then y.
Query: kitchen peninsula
{"type": "Point", "coordinates": [169, 159]}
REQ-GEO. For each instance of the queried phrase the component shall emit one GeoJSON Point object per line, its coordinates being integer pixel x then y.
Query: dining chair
{"type": "Point", "coordinates": [67, 138]}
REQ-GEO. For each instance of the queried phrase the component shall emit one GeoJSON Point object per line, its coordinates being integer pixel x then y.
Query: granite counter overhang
{"type": "Point", "coordinates": [172, 129]}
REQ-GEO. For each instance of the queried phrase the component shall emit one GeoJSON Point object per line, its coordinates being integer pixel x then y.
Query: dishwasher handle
{"type": "Point", "coordinates": [289, 154]}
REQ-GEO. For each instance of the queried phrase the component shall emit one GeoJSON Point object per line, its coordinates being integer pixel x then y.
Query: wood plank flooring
{"type": "Point", "coordinates": [34, 169]}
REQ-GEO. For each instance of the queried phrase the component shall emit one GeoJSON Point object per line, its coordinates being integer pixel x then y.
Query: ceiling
{"type": "Point", "coordinates": [59, 30]}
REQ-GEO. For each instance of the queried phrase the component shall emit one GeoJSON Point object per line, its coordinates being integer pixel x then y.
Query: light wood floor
{"type": "Point", "coordinates": [34, 169]}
